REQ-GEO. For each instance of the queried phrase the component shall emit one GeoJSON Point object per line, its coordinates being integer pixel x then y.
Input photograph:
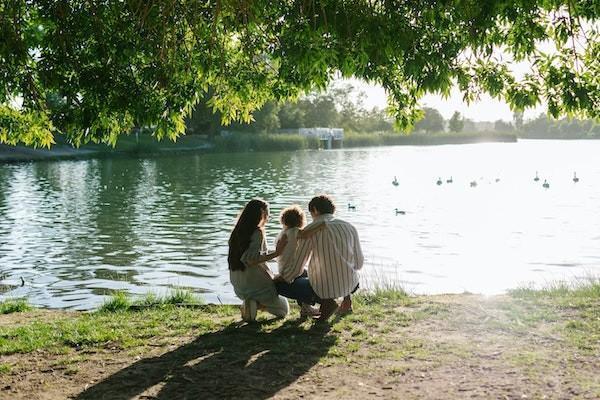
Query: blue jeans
{"type": "Point", "coordinates": [299, 289]}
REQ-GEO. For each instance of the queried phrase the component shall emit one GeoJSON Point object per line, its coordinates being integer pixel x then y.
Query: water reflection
{"type": "Point", "coordinates": [77, 230]}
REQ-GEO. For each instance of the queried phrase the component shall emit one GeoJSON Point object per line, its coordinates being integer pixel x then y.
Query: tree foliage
{"type": "Point", "coordinates": [94, 69]}
{"type": "Point", "coordinates": [432, 121]}
{"type": "Point", "coordinates": [340, 106]}
{"type": "Point", "coordinates": [456, 123]}
{"type": "Point", "coordinates": [543, 127]}
{"type": "Point", "coordinates": [502, 126]}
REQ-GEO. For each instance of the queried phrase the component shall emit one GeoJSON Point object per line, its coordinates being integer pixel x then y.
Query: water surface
{"type": "Point", "coordinates": [78, 230]}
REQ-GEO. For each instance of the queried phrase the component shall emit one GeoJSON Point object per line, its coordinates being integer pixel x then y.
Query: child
{"type": "Point", "coordinates": [292, 221]}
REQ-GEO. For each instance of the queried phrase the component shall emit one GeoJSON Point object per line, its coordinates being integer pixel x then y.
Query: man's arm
{"type": "Point", "coordinates": [310, 230]}
{"type": "Point", "coordinates": [301, 256]}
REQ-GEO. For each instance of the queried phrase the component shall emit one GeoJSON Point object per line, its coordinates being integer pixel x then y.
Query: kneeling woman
{"type": "Point", "coordinates": [252, 280]}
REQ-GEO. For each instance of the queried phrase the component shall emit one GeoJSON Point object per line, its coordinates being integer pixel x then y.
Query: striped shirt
{"type": "Point", "coordinates": [334, 256]}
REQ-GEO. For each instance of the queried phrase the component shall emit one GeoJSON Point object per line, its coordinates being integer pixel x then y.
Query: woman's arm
{"type": "Point", "coordinates": [310, 230]}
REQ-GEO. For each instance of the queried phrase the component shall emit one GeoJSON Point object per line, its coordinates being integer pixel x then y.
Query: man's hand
{"type": "Point", "coordinates": [281, 244]}
{"type": "Point", "coordinates": [278, 278]}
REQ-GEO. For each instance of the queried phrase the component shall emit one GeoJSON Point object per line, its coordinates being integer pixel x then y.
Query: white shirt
{"type": "Point", "coordinates": [335, 257]}
{"type": "Point", "coordinates": [287, 256]}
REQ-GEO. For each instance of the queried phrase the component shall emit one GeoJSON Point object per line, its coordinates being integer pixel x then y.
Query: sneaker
{"type": "Point", "coordinates": [328, 307]}
{"type": "Point", "coordinates": [249, 310]}
{"type": "Point", "coordinates": [306, 310]}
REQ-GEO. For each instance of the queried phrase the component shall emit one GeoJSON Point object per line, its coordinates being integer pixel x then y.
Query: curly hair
{"type": "Point", "coordinates": [293, 216]}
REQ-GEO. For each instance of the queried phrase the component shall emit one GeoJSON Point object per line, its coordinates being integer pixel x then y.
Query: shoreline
{"type": "Point", "coordinates": [525, 344]}
{"type": "Point", "coordinates": [129, 146]}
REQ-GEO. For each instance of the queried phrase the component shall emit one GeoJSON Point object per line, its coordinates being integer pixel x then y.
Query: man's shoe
{"type": "Point", "coordinates": [306, 310]}
{"type": "Point", "coordinates": [249, 310]}
{"type": "Point", "coordinates": [345, 307]}
{"type": "Point", "coordinates": [327, 309]}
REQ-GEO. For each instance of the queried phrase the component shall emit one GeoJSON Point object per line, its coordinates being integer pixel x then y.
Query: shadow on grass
{"type": "Point", "coordinates": [242, 362]}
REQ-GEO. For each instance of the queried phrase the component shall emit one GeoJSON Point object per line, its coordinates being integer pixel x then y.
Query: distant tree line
{"type": "Point", "coordinates": [342, 106]}
{"type": "Point", "coordinates": [544, 127]}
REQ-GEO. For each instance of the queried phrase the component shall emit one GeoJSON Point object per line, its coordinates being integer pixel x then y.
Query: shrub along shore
{"type": "Point", "coordinates": [240, 142]}
{"type": "Point", "coordinates": [525, 344]}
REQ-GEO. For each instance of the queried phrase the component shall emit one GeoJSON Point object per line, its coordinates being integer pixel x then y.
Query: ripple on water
{"type": "Point", "coordinates": [81, 229]}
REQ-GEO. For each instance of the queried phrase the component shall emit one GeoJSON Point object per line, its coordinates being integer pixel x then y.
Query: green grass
{"type": "Point", "coordinates": [5, 368]}
{"type": "Point", "coordinates": [576, 304]}
{"type": "Point", "coordinates": [110, 329]}
{"type": "Point", "coordinates": [576, 292]}
{"type": "Point", "coordinates": [121, 301]}
{"type": "Point", "coordinates": [14, 306]}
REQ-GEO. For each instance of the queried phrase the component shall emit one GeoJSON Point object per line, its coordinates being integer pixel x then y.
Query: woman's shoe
{"type": "Point", "coordinates": [249, 308]}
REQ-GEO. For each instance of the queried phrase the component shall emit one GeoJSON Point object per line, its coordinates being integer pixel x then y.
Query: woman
{"type": "Point", "coordinates": [251, 278]}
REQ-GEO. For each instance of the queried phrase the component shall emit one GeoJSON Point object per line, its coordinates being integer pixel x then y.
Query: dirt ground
{"type": "Point", "coordinates": [458, 347]}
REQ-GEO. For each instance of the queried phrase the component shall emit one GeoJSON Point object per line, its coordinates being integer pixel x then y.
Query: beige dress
{"type": "Point", "coordinates": [256, 282]}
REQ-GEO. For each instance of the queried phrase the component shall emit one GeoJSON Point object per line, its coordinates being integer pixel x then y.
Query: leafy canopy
{"type": "Point", "coordinates": [94, 69]}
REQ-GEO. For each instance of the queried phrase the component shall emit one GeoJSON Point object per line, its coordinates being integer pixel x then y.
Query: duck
{"type": "Point", "coordinates": [537, 178]}
{"type": "Point", "coordinates": [395, 181]}
{"type": "Point", "coordinates": [449, 180]}
{"type": "Point", "coordinates": [439, 181]}
{"type": "Point", "coordinates": [546, 185]}
{"type": "Point", "coordinates": [575, 178]}
{"type": "Point", "coordinates": [399, 212]}
{"type": "Point", "coordinates": [473, 184]}
{"type": "Point", "coordinates": [351, 207]}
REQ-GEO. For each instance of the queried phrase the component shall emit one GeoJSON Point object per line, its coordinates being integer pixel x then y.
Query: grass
{"type": "Point", "coordinates": [577, 305]}
{"type": "Point", "coordinates": [5, 368]}
{"type": "Point", "coordinates": [116, 325]}
{"type": "Point", "coordinates": [239, 142]}
{"type": "Point", "coordinates": [120, 301]}
{"type": "Point", "coordinates": [389, 334]}
{"type": "Point", "coordinates": [102, 329]}
{"type": "Point", "coordinates": [14, 306]}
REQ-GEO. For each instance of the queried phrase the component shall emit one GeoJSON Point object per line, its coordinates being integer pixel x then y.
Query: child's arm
{"type": "Point", "coordinates": [269, 256]}
{"type": "Point", "coordinates": [306, 233]}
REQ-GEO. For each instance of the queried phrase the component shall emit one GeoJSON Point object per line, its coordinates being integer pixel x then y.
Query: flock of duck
{"type": "Point", "coordinates": [547, 185]}
{"type": "Point", "coordinates": [473, 183]}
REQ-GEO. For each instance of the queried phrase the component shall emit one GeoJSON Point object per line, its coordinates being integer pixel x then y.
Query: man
{"type": "Point", "coordinates": [334, 256]}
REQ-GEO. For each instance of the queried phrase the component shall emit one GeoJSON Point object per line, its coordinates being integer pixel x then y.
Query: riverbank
{"type": "Point", "coordinates": [527, 344]}
{"type": "Point", "coordinates": [144, 145]}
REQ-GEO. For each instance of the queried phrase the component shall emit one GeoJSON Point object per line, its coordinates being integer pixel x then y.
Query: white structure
{"type": "Point", "coordinates": [328, 135]}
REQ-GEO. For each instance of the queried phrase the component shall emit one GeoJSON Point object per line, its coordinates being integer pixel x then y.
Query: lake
{"type": "Point", "coordinates": [76, 231]}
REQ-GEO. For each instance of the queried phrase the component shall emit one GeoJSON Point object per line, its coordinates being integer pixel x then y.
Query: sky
{"type": "Point", "coordinates": [487, 109]}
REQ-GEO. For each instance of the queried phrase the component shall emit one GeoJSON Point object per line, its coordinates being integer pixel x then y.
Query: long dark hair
{"type": "Point", "coordinates": [246, 224]}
